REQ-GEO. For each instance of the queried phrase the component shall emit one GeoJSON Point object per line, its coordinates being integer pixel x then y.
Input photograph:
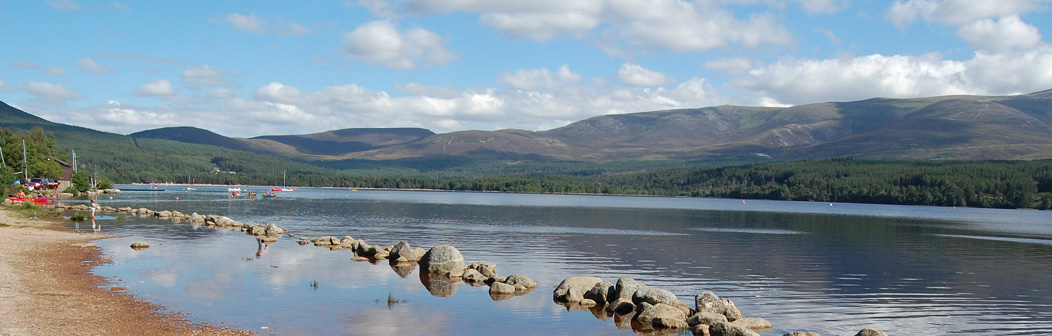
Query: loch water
{"type": "Point", "coordinates": [804, 266]}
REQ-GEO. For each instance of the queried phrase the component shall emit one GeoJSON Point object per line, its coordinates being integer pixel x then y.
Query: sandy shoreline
{"type": "Point", "coordinates": [47, 288]}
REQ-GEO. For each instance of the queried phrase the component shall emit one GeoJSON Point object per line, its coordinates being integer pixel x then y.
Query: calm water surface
{"type": "Point", "coordinates": [832, 269]}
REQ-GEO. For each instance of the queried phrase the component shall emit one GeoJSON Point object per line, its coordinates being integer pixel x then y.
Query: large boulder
{"type": "Point", "coordinates": [572, 289]}
{"type": "Point", "coordinates": [662, 316]}
{"type": "Point", "coordinates": [443, 259]}
{"type": "Point", "coordinates": [727, 329]}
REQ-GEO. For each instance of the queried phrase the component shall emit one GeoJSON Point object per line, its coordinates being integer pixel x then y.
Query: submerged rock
{"type": "Point", "coordinates": [870, 332]}
{"type": "Point", "coordinates": [140, 245]}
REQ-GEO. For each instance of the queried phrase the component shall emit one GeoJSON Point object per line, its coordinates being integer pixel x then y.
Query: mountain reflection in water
{"type": "Point", "coordinates": [831, 270]}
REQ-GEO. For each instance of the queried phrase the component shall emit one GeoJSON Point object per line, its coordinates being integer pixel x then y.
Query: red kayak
{"type": "Point", "coordinates": [40, 201]}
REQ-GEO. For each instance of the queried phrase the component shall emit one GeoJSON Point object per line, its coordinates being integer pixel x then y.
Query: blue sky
{"type": "Point", "coordinates": [249, 68]}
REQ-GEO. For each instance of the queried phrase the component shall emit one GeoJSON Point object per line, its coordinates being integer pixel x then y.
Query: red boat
{"type": "Point", "coordinates": [38, 201]}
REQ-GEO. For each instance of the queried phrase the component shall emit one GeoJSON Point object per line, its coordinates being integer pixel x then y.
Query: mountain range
{"type": "Point", "coordinates": [946, 127]}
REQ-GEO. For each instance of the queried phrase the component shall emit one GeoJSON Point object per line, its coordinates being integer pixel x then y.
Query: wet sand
{"type": "Point", "coordinates": [46, 287]}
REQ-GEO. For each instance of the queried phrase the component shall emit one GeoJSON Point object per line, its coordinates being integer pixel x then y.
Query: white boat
{"type": "Point", "coordinates": [233, 189]}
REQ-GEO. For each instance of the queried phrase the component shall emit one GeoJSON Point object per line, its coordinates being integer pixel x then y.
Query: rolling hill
{"type": "Point", "coordinates": [947, 127]}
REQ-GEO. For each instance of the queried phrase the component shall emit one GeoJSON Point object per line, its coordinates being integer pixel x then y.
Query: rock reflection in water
{"type": "Point", "coordinates": [439, 285]}
{"type": "Point", "coordinates": [403, 269]}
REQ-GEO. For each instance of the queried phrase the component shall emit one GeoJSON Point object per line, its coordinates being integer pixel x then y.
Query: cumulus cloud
{"type": "Point", "coordinates": [1006, 34]}
{"type": "Point", "coordinates": [621, 27]}
{"type": "Point", "coordinates": [87, 65]}
{"type": "Point", "coordinates": [793, 81]}
{"type": "Point", "coordinates": [64, 5]}
{"type": "Point", "coordinates": [248, 23]}
{"type": "Point", "coordinates": [204, 76]}
{"type": "Point", "coordinates": [48, 93]}
{"type": "Point", "coordinates": [292, 29]}
{"type": "Point", "coordinates": [380, 42]}
{"type": "Point", "coordinates": [538, 79]}
{"type": "Point", "coordinates": [733, 65]}
{"type": "Point", "coordinates": [956, 12]}
{"type": "Point", "coordinates": [25, 65]}
{"type": "Point", "coordinates": [158, 88]}
{"type": "Point", "coordinates": [636, 75]}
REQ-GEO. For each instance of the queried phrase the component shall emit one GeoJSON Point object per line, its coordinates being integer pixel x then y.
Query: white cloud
{"type": "Point", "coordinates": [540, 26]}
{"type": "Point", "coordinates": [222, 93]}
{"type": "Point", "coordinates": [25, 65]}
{"type": "Point", "coordinates": [292, 29]}
{"type": "Point", "coordinates": [620, 27]}
{"type": "Point", "coordinates": [64, 5]}
{"type": "Point", "coordinates": [1006, 34]}
{"type": "Point", "coordinates": [55, 72]}
{"type": "Point", "coordinates": [158, 88]}
{"type": "Point", "coordinates": [792, 81]}
{"type": "Point", "coordinates": [829, 33]}
{"type": "Point", "coordinates": [636, 75]}
{"type": "Point", "coordinates": [47, 93]}
{"type": "Point", "coordinates": [734, 65]}
{"type": "Point", "coordinates": [249, 23]}
{"type": "Point", "coordinates": [204, 76]}
{"type": "Point", "coordinates": [538, 79]}
{"type": "Point", "coordinates": [3, 87]}
{"type": "Point", "coordinates": [120, 6]}
{"type": "Point", "coordinates": [87, 65]}
{"type": "Point", "coordinates": [380, 42]}
{"type": "Point", "coordinates": [956, 12]}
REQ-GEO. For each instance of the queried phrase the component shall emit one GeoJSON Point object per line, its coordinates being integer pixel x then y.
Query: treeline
{"type": "Point", "coordinates": [988, 184]}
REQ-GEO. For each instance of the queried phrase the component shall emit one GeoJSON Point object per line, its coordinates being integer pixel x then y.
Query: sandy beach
{"type": "Point", "coordinates": [47, 288]}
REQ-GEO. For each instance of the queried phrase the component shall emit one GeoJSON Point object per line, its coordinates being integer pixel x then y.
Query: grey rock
{"type": "Point", "coordinates": [501, 288]}
{"type": "Point", "coordinates": [444, 259]}
{"type": "Point", "coordinates": [654, 296]}
{"type": "Point", "coordinates": [520, 280]}
{"type": "Point", "coordinates": [870, 332]}
{"type": "Point", "coordinates": [402, 249]}
{"type": "Point", "coordinates": [801, 333]}
{"type": "Point", "coordinates": [487, 269]}
{"type": "Point", "coordinates": [625, 288]}
{"type": "Point", "coordinates": [727, 329]}
{"type": "Point", "coordinates": [572, 289]}
{"type": "Point", "coordinates": [662, 316]}
{"type": "Point", "coordinates": [754, 323]}
{"type": "Point", "coordinates": [473, 276]}
{"type": "Point", "coordinates": [706, 318]}
{"type": "Point", "coordinates": [601, 292]}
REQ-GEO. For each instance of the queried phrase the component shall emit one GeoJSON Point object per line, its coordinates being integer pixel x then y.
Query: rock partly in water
{"type": "Point", "coordinates": [521, 282]}
{"type": "Point", "coordinates": [706, 318]}
{"type": "Point", "coordinates": [443, 259]}
{"type": "Point", "coordinates": [402, 250]}
{"type": "Point", "coordinates": [572, 289]}
{"type": "Point", "coordinates": [662, 316]}
{"type": "Point", "coordinates": [601, 292]}
{"type": "Point", "coordinates": [487, 269]}
{"type": "Point", "coordinates": [870, 332]}
{"type": "Point", "coordinates": [801, 333]}
{"type": "Point", "coordinates": [140, 245]}
{"type": "Point", "coordinates": [501, 288]}
{"type": "Point", "coordinates": [754, 323]}
{"type": "Point", "coordinates": [727, 329]}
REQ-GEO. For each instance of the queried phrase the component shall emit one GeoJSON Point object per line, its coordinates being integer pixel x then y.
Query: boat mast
{"type": "Point", "coordinates": [25, 164]}
{"type": "Point", "coordinates": [2, 160]}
